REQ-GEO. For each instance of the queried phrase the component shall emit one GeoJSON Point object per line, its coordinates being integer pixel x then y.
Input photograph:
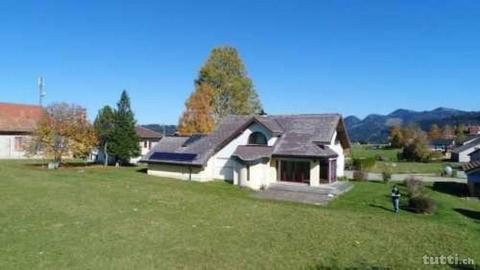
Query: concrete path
{"type": "Point", "coordinates": [303, 193]}
{"type": "Point", "coordinates": [402, 176]}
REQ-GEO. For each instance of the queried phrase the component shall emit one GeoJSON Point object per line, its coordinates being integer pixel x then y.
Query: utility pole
{"type": "Point", "coordinates": [41, 91]}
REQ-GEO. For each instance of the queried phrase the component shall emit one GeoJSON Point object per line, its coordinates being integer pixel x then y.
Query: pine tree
{"type": "Point", "coordinates": [125, 142]}
{"type": "Point", "coordinates": [198, 116]}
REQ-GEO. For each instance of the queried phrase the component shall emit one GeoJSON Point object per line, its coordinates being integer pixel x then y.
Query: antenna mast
{"type": "Point", "coordinates": [41, 91]}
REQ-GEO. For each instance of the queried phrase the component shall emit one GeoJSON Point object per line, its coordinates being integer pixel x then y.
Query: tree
{"type": "Point", "coordinates": [198, 115]}
{"type": "Point", "coordinates": [124, 142]}
{"type": "Point", "coordinates": [104, 124]}
{"type": "Point", "coordinates": [64, 131]}
{"type": "Point", "coordinates": [435, 132]}
{"type": "Point", "coordinates": [396, 137]}
{"type": "Point", "coordinates": [232, 90]}
{"type": "Point", "coordinates": [447, 132]}
{"type": "Point", "coordinates": [460, 132]}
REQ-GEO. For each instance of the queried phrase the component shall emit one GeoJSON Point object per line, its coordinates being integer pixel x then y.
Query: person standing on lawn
{"type": "Point", "coordinates": [395, 199]}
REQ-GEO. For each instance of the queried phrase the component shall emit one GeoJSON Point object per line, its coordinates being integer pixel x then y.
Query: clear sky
{"type": "Point", "coordinates": [352, 57]}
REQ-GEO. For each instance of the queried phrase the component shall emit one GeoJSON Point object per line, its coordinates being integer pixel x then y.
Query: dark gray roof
{"type": "Point", "coordinates": [442, 142]}
{"type": "Point", "coordinates": [145, 133]}
{"type": "Point", "coordinates": [474, 152]}
{"type": "Point", "coordinates": [299, 135]}
{"type": "Point", "coordinates": [253, 152]}
{"type": "Point", "coordinates": [467, 146]}
{"type": "Point", "coordinates": [471, 166]}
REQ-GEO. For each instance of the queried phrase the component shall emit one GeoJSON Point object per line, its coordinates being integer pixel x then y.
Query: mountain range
{"type": "Point", "coordinates": [375, 127]}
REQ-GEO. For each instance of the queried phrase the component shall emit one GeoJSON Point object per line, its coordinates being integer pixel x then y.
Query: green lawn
{"type": "Point", "coordinates": [114, 218]}
{"type": "Point", "coordinates": [392, 164]}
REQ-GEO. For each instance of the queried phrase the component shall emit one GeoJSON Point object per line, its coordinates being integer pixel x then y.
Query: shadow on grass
{"type": "Point", "coordinates": [73, 164]}
{"type": "Point", "coordinates": [381, 207]}
{"type": "Point", "coordinates": [142, 170]}
{"type": "Point", "coordinates": [451, 188]}
{"type": "Point", "coordinates": [469, 213]}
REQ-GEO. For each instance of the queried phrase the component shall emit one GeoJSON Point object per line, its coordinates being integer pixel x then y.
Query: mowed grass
{"type": "Point", "coordinates": [393, 165]}
{"type": "Point", "coordinates": [118, 218]}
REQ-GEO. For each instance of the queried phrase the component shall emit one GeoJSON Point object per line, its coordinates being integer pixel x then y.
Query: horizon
{"type": "Point", "coordinates": [306, 57]}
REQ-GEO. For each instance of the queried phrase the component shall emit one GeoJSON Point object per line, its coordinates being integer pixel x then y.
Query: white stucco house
{"type": "Point", "coordinates": [256, 151]}
{"type": "Point", "coordinates": [17, 123]}
{"type": "Point", "coordinates": [462, 153]}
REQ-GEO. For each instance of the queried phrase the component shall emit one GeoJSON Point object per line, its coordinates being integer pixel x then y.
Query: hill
{"type": "Point", "coordinates": [374, 128]}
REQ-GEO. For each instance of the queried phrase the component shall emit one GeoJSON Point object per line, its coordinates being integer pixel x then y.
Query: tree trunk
{"type": "Point", "coordinates": [105, 163]}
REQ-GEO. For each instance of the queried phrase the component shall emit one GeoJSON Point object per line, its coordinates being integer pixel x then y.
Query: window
{"type": "Point", "coordinates": [257, 138]}
{"type": "Point", "coordinates": [19, 143]}
{"type": "Point", "coordinates": [150, 145]}
{"type": "Point", "coordinates": [145, 144]}
{"type": "Point", "coordinates": [248, 172]}
{"type": "Point", "coordinates": [295, 171]}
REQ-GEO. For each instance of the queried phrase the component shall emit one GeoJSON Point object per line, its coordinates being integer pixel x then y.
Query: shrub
{"type": "Point", "coordinates": [415, 187]}
{"type": "Point", "coordinates": [360, 175]}
{"type": "Point", "coordinates": [422, 204]}
{"type": "Point", "coordinates": [363, 164]}
{"type": "Point", "coordinates": [386, 176]}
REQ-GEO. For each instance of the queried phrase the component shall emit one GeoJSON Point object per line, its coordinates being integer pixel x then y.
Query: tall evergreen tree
{"type": "Point", "coordinates": [232, 90]}
{"type": "Point", "coordinates": [125, 142]}
{"type": "Point", "coordinates": [104, 124]}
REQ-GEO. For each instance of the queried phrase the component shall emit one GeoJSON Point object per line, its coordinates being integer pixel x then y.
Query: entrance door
{"type": "Point", "coordinates": [333, 170]}
{"type": "Point", "coordinates": [295, 171]}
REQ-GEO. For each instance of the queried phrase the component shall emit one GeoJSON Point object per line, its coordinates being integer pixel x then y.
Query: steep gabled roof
{"type": "Point", "coordinates": [19, 117]}
{"type": "Point", "coordinates": [471, 166]}
{"type": "Point", "coordinates": [145, 133]}
{"type": "Point", "coordinates": [298, 135]}
{"type": "Point", "coordinates": [473, 143]}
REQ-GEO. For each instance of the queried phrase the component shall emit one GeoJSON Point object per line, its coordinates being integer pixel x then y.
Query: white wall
{"type": "Point", "coordinates": [464, 156]}
{"type": "Point", "coordinates": [223, 165]}
{"type": "Point", "coordinates": [7, 147]}
{"type": "Point", "coordinates": [336, 146]}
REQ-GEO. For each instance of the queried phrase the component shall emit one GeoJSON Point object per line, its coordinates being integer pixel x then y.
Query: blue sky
{"type": "Point", "coordinates": [352, 57]}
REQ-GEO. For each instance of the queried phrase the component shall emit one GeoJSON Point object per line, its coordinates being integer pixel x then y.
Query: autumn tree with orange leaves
{"type": "Point", "coordinates": [63, 131]}
{"type": "Point", "coordinates": [198, 115]}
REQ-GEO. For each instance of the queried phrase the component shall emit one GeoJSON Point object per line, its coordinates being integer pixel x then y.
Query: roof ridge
{"type": "Point", "coordinates": [21, 104]}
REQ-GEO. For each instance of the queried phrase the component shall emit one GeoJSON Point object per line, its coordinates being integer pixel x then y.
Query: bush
{"type": "Point", "coordinates": [422, 204]}
{"type": "Point", "coordinates": [415, 187]}
{"type": "Point", "coordinates": [386, 176]}
{"type": "Point", "coordinates": [363, 164]}
{"type": "Point", "coordinates": [360, 175]}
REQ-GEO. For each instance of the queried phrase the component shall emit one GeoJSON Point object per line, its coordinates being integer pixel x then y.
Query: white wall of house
{"type": "Point", "coordinates": [223, 164]}
{"type": "Point", "coordinates": [10, 146]}
{"type": "Point", "coordinates": [464, 156]}
{"type": "Point", "coordinates": [145, 146]}
{"type": "Point", "coordinates": [336, 146]}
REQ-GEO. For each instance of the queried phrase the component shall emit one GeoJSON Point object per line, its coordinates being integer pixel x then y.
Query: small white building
{"type": "Point", "coordinates": [462, 153]}
{"type": "Point", "coordinates": [256, 151]}
{"type": "Point", "coordinates": [17, 123]}
{"type": "Point", "coordinates": [148, 139]}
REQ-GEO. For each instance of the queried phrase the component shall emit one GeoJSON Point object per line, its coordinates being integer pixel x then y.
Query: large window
{"type": "Point", "coordinates": [294, 171]}
{"type": "Point", "coordinates": [257, 138]}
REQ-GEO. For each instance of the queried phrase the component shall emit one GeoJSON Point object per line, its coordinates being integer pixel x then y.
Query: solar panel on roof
{"type": "Point", "coordinates": [172, 156]}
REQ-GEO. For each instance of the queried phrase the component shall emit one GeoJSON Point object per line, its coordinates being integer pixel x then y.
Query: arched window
{"type": "Point", "coordinates": [257, 138]}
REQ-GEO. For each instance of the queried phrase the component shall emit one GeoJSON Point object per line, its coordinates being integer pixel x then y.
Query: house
{"type": "Point", "coordinates": [17, 123]}
{"type": "Point", "coordinates": [475, 155]}
{"type": "Point", "coordinates": [461, 153]}
{"type": "Point", "coordinates": [256, 151]}
{"type": "Point", "coordinates": [472, 170]}
{"type": "Point", "coordinates": [473, 129]}
{"type": "Point", "coordinates": [148, 139]}
{"type": "Point", "coordinates": [441, 145]}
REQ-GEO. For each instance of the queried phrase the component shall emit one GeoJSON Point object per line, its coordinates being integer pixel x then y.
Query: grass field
{"type": "Point", "coordinates": [118, 218]}
{"type": "Point", "coordinates": [392, 164]}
